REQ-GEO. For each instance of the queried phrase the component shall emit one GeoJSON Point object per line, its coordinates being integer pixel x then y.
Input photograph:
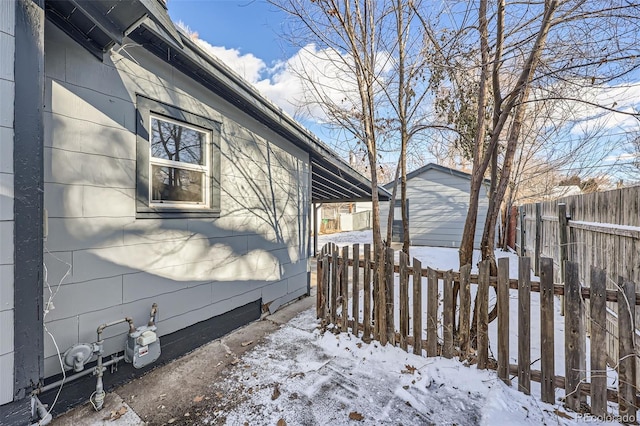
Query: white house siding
{"type": "Point", "coordinates": [193, 268]}
{"type": "Point", "coordinates": [7, 55]}
{"type": "Point", "coordinates": [438, 204]}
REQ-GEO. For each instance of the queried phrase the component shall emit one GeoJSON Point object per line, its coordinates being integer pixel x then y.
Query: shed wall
{"type": "Point", "coordinates": [438, 208]}
{"type": "Point", "coordinates": [119, 265]}
{"type": "Point", "coordinates": [7, 91]}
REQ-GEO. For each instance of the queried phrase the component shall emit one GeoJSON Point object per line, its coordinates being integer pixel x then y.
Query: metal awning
{"type": "Point", "coordinates": [99, 24]}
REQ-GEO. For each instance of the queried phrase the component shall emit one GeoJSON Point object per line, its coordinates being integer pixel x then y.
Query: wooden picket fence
{"type": "Point", "coordinates": [341, 278]}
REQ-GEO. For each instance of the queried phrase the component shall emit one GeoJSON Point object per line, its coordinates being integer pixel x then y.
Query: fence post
{"type": "Point", "coordinates": [344, 286]}
{"type": "Point", "coordinates": [366, 317]}
{"type": "Point", "coordinates": [448, 311]}
{"type": "Point", "coordinates": [465, 310]}
{"type": "Point", "coordinates": [334, 285]}
{"type": "Point", "coordinates": [355, 291]}
{"type": "Point", "coordinates": [627, 356]}
{"type": "Point", "coordinates": [417, 307]}
{"type": "Point", "coordinates": [404, 299]}
{"type": "Point", "coordinates": [524, 325]}
{"type": "Point", "coordinates": [523, 232]}
{"type": "Point", "coordinates": [319, 287]}
{"type": "Point", "coordinates": [563, 235]}
{"type": "Point", "coordinates": [598, 313]}
{"type": "Point", "coordinates": [503, 319]}
{"type": "Point", "coordinates": [547, 362]}
{"type": "Point", "coordinates": [432, 312]}
{"type": "Point", "coordinates": [574, 337]}
{"type": "Point", "coordinates": [483, 314]}
{"type": "Point", "coordinates": [389, 298]}
{"type": "Point", "coordinates": [538, 242]}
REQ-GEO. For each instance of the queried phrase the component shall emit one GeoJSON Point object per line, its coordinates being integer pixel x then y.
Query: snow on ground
{"type": "Point", "coordinates": [447, 258]}
{"type": "Point", "coordinates": [302, 376]}
{"type": "Point", "coordinates": [305, 377]}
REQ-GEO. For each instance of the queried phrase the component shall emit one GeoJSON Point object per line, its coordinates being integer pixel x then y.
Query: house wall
{"type": "Point", "coordinates": [438, 203]}
{"type": "Point", "coordinates": [119, 265]}
{"type": "Point", "coordinates": [7, 55]}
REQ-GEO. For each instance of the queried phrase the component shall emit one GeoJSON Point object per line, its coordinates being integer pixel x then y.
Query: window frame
{"type": "Point", "coordinates": [148, 109]}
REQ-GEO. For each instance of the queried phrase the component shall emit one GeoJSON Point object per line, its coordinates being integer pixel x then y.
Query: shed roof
{"type": "Point", "coordinates": [97, 26]}
{"type": "Point", "coordinates": [437, 167]}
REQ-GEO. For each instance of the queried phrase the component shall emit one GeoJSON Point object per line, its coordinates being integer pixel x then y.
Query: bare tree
{"type": "Point", "coordinates": [528, 53]}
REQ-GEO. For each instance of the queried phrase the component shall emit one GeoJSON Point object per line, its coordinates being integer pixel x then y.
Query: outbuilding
{"type": "Point", "coordinates": [438, 201]}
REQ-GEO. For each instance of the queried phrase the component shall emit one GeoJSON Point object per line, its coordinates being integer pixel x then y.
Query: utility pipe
{"type": "Point", "coordinates": [98, 397]}
{"type": "Point", "coordinates": [76, 376]}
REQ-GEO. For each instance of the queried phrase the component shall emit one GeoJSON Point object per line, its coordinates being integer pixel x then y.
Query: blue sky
{"type": "Point", "coordinates": [250, 26]}
{"type": "Point", "coordinates": [247, 36]}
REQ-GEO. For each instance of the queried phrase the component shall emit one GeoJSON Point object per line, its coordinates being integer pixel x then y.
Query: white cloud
{"type": "Point", "coordinates": [624, 98]}
{"type": "Point", "coordinates": [247, 65]}
{"type": "Point", "coordinates": [287, 83]}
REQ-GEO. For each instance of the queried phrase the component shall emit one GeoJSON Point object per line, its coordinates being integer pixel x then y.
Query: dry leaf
{"type": "Point", "coordinates": [354, 415]}
{"type": "Point", "coordinates": [562, 414]}
{"type": "Point", "coordinates": [172, 420]}
{"type": "Point", "coordinates": [243, 344]}
{"type": "Point", "coordinates": [281, 422]}
{"type": "Point", "coordinates": [276, 393]}
{"type": "Point", "coordinates": [187, 414]}
{"type": "Point", "coordinates": [198, 398]}
{"type": "Point", "coordinates": [359, 345]}
{"type": "Point", "coordinates": [115, 415]}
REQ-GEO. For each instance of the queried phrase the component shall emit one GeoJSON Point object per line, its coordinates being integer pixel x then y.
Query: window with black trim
{"type": "Point", "coordinates": [178, 162]}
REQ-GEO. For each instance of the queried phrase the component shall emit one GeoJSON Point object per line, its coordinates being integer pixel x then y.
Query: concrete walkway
{"type": "Point", "coordinates": [167, 393]}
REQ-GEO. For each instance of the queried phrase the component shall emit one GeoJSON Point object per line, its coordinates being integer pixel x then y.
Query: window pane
{"type": "Point", "coordinates": [172, 184]}
{"type": "Point", "coordinates": [177, 143]}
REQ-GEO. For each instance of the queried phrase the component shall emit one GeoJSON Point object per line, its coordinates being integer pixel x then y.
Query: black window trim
{"type": "Point", "coordinates": [146, 107]}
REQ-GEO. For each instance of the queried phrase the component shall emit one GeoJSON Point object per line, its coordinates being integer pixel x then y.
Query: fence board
{"type": "Point", "coordinates": [448, 311]}
{"type": "Point", "coordinates": [389, 297]}
{"type": "Point", "coordinates": [432, 312]}
{"type": "Point", "coordinates": [334, 285]}
{"type": "Point", "coordinates": [326, 266]}
{"type": "Point", "coordinates": [563, 237]}
{"type": "Point", "coordinates": [465, 310]}
{"type": "Point", "coordinates": [344, 287]}
{"type": "Point", "coordinates": [417, 307]}
{"type": "Point", "coordinates": [627, 363]}
{"type": "Point", "coordinates": [319, 287]}
{"type": "Point", "coordinates": [598, 342]}
{"type": "Point", "coordinates": [503, 319]}
{"type": "Point", "coordinates": [547, 337]}
{"type": "Point", "coordinates": [482, 300]}
{"type": "Point", "coordinates": [355, 290]}
{"type": "Point", "coordinates": [574, 336]}
{"type": "Point", "coordinates": [366, 315]}
{"type": "Point", "coordinates": [404, 299]}
{"type": "Point", "coordinates": [524, 325]}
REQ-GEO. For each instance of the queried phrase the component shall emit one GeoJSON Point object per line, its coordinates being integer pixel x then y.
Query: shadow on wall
{"type": "Point", "coordinates": [193, 268]}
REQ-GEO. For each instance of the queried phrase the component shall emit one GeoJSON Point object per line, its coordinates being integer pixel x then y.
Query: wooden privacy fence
{"type": "Point", "coordinates": [600, 229]}
{"type": "Point", "coordinates": [396, 315]}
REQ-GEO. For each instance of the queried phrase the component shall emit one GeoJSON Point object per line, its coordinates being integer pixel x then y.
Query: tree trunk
{"type": "Point", "coordinates": [392, 206]}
